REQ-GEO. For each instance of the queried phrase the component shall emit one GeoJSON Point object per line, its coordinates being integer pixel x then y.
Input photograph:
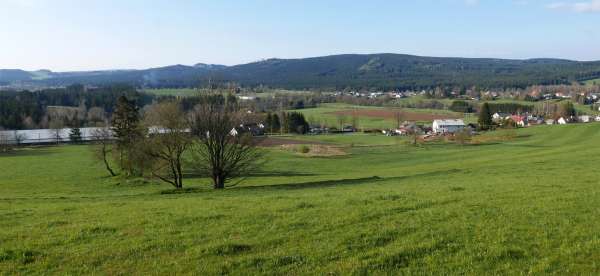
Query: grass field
{"type": "Point", "coordinates": [328, 114]}
{"type": "Point", "coordinates": [527, 206]}
{"type": "Point", "coordinates": [592, 82]}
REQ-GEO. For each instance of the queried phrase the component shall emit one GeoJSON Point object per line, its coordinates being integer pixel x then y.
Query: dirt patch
{"type": "Point", "coordinates": [391, 114]}
{"type": "Point", "coordinates": [315, 150]}
{"type": "Point", "coordinates": [275, 142]}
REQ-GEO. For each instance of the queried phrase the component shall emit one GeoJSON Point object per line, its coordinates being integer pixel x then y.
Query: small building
{"type": "Point", "coordinates": [561, 121]}
{"type": "Point", "coordinates": [584, 119]}
{"type": "Point", "coordinates": [520, 120]}
{"type": "Point", "coordinates": [499, 116]}
{"type": "Point", "coordinates": [550, 121]}
{"type": "Point", "coordinates": [597, 119]}
{"type": "Point", "coordinates": [448, 126]}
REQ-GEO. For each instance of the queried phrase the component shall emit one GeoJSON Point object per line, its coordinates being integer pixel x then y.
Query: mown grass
{"type": "Point", "coordinates": [324, 115]}
{"type": "Point", "coordinates": [515, 207]}
{"type": "Point", "coordinates": [592, 82]}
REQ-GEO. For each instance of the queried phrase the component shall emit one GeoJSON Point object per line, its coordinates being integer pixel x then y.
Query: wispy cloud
{"type": "Point", "coordinates": [588, 6]}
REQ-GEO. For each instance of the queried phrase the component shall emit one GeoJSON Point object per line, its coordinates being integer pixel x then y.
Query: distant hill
{"type": "Point", "coordinates": [382, 71]}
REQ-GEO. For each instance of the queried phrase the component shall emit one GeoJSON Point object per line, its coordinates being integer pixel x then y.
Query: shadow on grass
{"type": "Point", "coordinates": [27, 152]}
{"type": "Point", "coordinates": [319, 184]}
{"type": "Point", "coordinates": [260, 174]}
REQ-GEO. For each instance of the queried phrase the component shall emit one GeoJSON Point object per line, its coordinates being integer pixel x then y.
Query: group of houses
{"type": "Point", "coordinates": [439, 127]}
{"type": "Point", "coordinates": [528, 119]}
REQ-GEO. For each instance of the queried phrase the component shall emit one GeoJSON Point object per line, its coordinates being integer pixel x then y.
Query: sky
{"type": "Point", "coordinates": [67, 35]}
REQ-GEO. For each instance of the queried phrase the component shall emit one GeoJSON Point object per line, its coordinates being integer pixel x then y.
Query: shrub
{"type": "Point", "coordinates": [304, 149]}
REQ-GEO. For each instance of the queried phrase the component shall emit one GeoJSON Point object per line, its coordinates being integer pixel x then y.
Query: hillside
{"type": "Point", "coordinates": [385, 208]}
{"type": "Point", "coordinates": [382, 71]}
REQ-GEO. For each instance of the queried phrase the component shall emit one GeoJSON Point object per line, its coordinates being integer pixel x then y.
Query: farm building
{"type": "Point", "coordinates": [584, 118]}
{"type": "Point", "coordinates": [500, 116]}
{"type": "Point", "coordinates": [520, 120]}
{"type": "Point", "coordinates": [561, 121]}
{"type": "Point", "coordinates": [448, 126]}
{"type": "Point", "coordinates": [44, 136]}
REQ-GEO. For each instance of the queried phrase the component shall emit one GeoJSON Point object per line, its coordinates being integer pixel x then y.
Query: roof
{"type": "Point", "coordinates": [517, 118]}
{"type": "Point", "coordinates": [450, 122]}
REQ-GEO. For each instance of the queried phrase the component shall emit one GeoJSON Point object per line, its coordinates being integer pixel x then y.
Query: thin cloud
{"type": "Point", "coordinates": [581, 7]}
{"type": "Point", "coordinates": [471, 2]}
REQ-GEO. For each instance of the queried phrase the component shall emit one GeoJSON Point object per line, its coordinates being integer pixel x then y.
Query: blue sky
{"type": "Point", "coordinates": [109, 34]}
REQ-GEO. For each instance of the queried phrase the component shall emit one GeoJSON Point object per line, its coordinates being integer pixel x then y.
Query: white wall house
{"type": "Point", "coordinates": [585, 118]}
{"type": "Point", "coordinates": [562, 121]}
{"type": "Point", "coordinates": [448, 126]}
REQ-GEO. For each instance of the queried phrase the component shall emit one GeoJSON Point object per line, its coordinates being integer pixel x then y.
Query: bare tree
{"type": "Point", "coordinates": [221, 153]}
{"type": "Point", "coordinates": [5, 143]}
{"type": "Point", "coordinates": [18, 137]}
{"type": "Point", "coordinates": [96, 115]}
{"type": "Point", "coordinates": [463, 136]}
{"type": "Point", "coordinates": [104, 146]}
{"type": "Point", "coordinates": [56, 128]}
{"type": "Point", "coordinates": [399, 116]}
{"type": "Point", "coordinates": [341, 121]}
{"type": "Point", "coordinates": [355, 119]}
{"type": "Point", "coordinates": [168, 141]}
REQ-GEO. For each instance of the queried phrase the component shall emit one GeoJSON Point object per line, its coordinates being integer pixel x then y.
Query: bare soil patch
{"type": "Point", "coordinates": [276, 141]}
{"type": "Point", "coordinates": [391, 114]}
{"type": "Point", "coordinates": [315, 150]}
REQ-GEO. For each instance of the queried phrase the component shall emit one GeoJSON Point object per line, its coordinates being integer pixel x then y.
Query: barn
{"type": "Point", "coordinates": [448, 126]}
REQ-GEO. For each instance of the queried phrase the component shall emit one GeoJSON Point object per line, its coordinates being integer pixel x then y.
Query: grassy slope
{"type": "Point", "coordinates": [592, 82]}
{"type": "Point", "coordinates": [527, 206]}
{"type": "Point", "coordinates": [324, 114]}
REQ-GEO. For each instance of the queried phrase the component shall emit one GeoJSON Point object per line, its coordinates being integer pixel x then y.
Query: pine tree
{"type": "Point", "coordinates": [126, 129]}
{"type": "Point", "coordinates": [276, 124]}
{"type": "Point", "coordinates": [269, 122]}
{"type": "Point", "coordinates": [485, 117]}
{"type": "Point", "coordinates": [75, 135]}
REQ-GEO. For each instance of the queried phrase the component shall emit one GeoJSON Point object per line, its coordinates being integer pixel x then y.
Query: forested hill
{"type": "Point", "coordinates": [381, 71]}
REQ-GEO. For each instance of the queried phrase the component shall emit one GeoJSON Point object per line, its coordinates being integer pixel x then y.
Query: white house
{"type": "Point", "coordinates": [448, 126]}
{"type": "Point", "coordinates": [584, 118]}
{"type": "Point", "coordinates": [597, 119]}
{"type": "Point", "coordinates": [499, 116]}
{"type": "Point", "coordinates": [561, 121]}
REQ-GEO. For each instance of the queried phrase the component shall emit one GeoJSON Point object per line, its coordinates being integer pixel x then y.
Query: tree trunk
{"type": "Point", "coordinates": [104, 153]}
{"type": "Point", "coordinates": [219, 182]}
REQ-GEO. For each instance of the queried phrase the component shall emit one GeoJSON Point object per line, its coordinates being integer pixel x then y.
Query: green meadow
{"type": "Point", "coordinates": [592, 82]}
{"type": "Point", "coordinates": [526, 205]}
{"type": "Point", "coordinates": [325, 114]}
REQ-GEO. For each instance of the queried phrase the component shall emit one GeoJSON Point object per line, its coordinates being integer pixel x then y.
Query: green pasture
{"type": "Point", "coordinates": [522, 206]}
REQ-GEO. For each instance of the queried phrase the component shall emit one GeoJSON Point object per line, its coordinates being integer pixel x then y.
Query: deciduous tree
{"type": "Point", "coordinates": [218, 153]}
{"type": "Point", "coordinates": [168, 141]}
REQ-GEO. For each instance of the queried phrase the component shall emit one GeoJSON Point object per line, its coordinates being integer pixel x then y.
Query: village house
{"type": "Point", "coordinates": [561, 121]}
{"type": "Point", "coordinates": [499, 116]}
{"type": "Point", "coordinates": [584, 119]}
{"type": "Point", "coordinates": [448, 126]}
{"type": "Point", "coordinates": [520, 120]}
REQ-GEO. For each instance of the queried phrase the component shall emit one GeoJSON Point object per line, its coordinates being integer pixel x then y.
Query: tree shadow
{"type": "Point", "coordinates": [312, 184]}
{"type": "Point", "coordinates": [343, 182]}
{"type": "Point", "coordinates": [259, 174]}
{"type": "Point", "coordinates": [317, 184]}
{"type": "Point", "coordinates": [27, 152]}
